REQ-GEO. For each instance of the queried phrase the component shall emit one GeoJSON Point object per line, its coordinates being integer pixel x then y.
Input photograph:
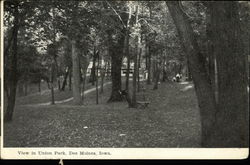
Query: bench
{"type": "Point", "coordinates": [142, 104]}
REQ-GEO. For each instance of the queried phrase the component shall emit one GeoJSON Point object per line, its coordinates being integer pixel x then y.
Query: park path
{"type": "Point", "coordinates": [69, 99]}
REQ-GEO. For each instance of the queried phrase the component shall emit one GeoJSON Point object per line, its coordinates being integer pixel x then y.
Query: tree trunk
{"type": "Point", "coordinates": [211, 56]}
{"type": "Point", "coordinates": [127, 48]}
{"type": "Point", "coordinates": [116, 63]}
{"type": "Point", "coordinates": [12, 76]}
{"type": "Point", "coordinates": [164, 73]}
{"type": "Point", "coordinates": [76, 72]}
{"type": "Point", "coordinates": [138, 71]}
{"type": "Point", "coordinates": [83, 84]}
{"type": "Point", "coordinates": [93, 69]}
{"type": "Point", "coordinates": [58, 83]}
{"type": "Point", "coordinates": [116, 52]}
{"type": "Point", "coordinates": [65, 79]}
{"type": "Point", "coordinates": [96, 78]}
{"type": "Point", "coordinates": [157, 78]}
{"type": "Point", "coordinates": [128, 62]}
{"type": "Point", "coordinates": [102, 77]}
{"type": "Point", "coordinates": [84, 65]}
{"type": "Point", "coordinates": [231, 127]}
{"type": "Point", "coordinates": [70, 78]}
{"type": "Point", "coordinates": [52, 83]}
{"type": "Point", "coordinates": [149, 65]}
{"type": "Point", "coordinates": [205, 96]}
{"type": "Point", "coordinates": [133, 100]}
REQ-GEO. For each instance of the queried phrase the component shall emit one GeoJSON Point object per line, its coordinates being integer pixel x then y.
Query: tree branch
{"type": "Point", "coordinates": [116, 14]}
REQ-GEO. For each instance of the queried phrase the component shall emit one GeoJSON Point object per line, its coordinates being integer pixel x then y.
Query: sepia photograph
{"type": "Point", "coordinates": [128, 79]}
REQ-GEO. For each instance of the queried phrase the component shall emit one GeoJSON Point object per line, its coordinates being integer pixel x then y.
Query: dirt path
{"type": "Point", "coordinates": [69, 99]}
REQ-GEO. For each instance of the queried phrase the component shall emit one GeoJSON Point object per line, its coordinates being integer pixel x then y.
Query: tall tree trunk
{"type": "Point", "coordinates": [12, 75]}
{"type": "Point", "coordinates": [127, 48]}
{"type": "Point", "coordinates": [205, 96]}
{"type": "Point", "coordinates": [116, 52]}
{"type": "Point", "coordinates": [70, 78]}
{"type": "Point", "coordinates": [149, 54]}
{"type": "Point", "coordinates": [84, 65]}
{"type": "Point", "coordinates": [133, 100]}
{"type": "Point", "coordinates": [93, 69]}
{"type": "Point", "coordinates": [52, 83]}
{"type": "Point", "coordinates": [231, 127]}
{"type": "Point", "coordinates": [116, 63]}
{"type": "Point", "coordinates": [76, 72]}
{"type": "Point", "coordinates": [164, 72]}
{"type": "Point", "coordinates": [138, 71]}
{"type": "Point", "coordinates": [128, 61]}
{"type": "Point", "coordinates": [189, 76]}
{"type": "Point", "coordinates": [83, 84]}
{"type": "Point", "coordinates": [65, 79]}
{"type": "Point", "coordinates": [157, 78]}
{"type": "Point", "coordinates": [96, 78]}
{"type": "Point", "coordinates": [102, 77]}
{"type": "Point", "coordinates": [211, 56]}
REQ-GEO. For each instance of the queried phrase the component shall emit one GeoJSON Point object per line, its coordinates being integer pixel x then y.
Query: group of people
{"type": "Point", "coordinates": [177, 77]}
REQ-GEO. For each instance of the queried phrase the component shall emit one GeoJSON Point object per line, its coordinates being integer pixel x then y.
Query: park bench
{"type": "Point", "coordinates": [143, 104]}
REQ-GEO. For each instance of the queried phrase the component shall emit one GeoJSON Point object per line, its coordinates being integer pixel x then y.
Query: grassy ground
{"type": "Point", "coordinates": [171, 120]}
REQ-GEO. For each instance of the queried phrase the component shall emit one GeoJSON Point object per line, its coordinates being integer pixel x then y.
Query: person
{"type": "Point", "coordinates": [178, 77]}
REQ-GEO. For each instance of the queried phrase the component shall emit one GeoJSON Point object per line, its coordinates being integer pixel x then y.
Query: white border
{"type": "Point", "coordinates": [128, 153]}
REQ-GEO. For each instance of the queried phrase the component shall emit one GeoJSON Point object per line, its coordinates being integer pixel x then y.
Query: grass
{"type": "Point", "coordinates": [171, 120]}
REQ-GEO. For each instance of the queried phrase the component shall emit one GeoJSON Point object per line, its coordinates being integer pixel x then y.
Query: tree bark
{"type": "Point", "coordinates": [102, 77]}
{"type": "Point", "coordinates": [76, 72]}
{"type": "Point", "coordinates": [84, 65]}
{"type": "Point", "coordinates": [205, 96]}
{"type": "Point", "coordinates": [93, 69]}
{"type": "Point", "coordinates": [157, 78]}
{"type": "Point", "coordinates": [12, 76]}
{"type": "Point", "coordinates": [128, 62]}
{"type": "Point", "coordinates": [211, 56]}
{"type": "Point", "coordinates": [127, 48]}
{"type": "Point", "coordinates": [138, 71]}
{"type": "Point", "coordinates": [231, 127]}
{"type": "Point", "coordinates": [96, 78]}
{"type": "Point", "coordinates": [52, 83]}
{"type": "Point", "coordinates": [133, 100]}
{"type": "Point", "coordinates": [116, 63]}
{"type": "Point", "coordinates": [70, 78]}
{"type": "Point", "coordinates": [65, 79]}
{"type": "Point", "coordinates": [116, 52]}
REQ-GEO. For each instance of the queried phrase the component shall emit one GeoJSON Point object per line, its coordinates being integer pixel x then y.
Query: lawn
{"type": "Point", "coordinates": [171, 120]}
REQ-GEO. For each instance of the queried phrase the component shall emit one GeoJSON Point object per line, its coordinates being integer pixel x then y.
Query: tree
{"type": "Point", "coordinates": [135, 74]}
{"type": "Point", "coordinates": [218, 124]}
{"type": "Point", "coordinates": [232, 115]}
{"type": "Point", "coordinates": [115, 47]}
{"type": "Point", "coordinates": [11, 78]}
